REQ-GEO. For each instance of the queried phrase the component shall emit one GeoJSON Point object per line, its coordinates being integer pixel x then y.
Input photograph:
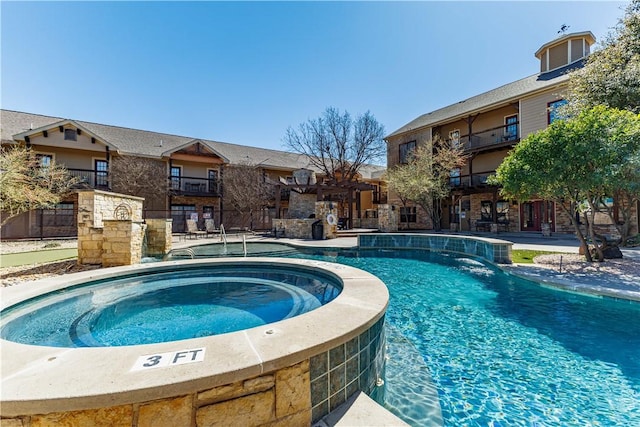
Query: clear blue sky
{"type": "Point", "coordinates": [243, 72]}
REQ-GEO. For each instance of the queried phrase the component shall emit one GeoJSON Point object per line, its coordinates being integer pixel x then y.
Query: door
{"type": "Point", "coordinates": [533, 214]}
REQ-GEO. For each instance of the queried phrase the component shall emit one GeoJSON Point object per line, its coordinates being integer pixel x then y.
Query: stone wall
{"type": "Point", "coordinates": [301, 205]}
{"type": "Point", "coordinates": [281, 397]}
{"type": "Point", "coordinates": [158, 237]}
{"type": "Point", "coordinates": [322, 210]}
{"type": "Point", "coordinates": [293, 228]}
{"type": "Point", "coordinates": [388, 217]}
{"type": "Point", "coordinates": [122, 242]}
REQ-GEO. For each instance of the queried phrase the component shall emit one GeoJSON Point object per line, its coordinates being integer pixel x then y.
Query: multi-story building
{"type": "Point", "coordinates": [182, 175]}
{"type": "Point", "coordinates": [487, 126]}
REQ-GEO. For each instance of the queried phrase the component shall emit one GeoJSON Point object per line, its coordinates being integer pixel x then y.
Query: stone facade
{"type": "Point", "coordinates": [158, 237]}
{"type": "Point", "coordinates": [302, 228]}
{"type": "Point", "coordinates": [322, 211]}
{"type": "Point", "coordinates": [122, 242]}
{"type": "Point", "coordinates": [282, 398]}
{"type": "Point", "coordinates": [387, 218]}
{"type": "Point", "coordinates": [302, 205]}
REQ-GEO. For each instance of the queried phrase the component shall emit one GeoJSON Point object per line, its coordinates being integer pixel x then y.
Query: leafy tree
{"type": "Point", "coordinates": [247, 191]}
{"type": "Point", "coordinates": [26, 185]}
{"type": "Point", "coordinates": [425, 180]}
{"type": "Point", "coordinates": [337, 144]}
{"type": "Point", "coordinates": [576, 163]}
{"type": "Point", "coordinates": [611, 75]}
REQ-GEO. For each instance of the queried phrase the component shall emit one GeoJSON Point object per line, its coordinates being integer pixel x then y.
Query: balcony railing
{"type": "Point", "coordinates": [89, 178]}
{"type": "Point", "coordinates": [190, 186]}
{"type": "Point", "coordinates": [468, 181]}
{"type": "Point", "coordinates": [490, 138]}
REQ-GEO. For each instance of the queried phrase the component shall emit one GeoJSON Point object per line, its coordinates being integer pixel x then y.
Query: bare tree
{"type": "Point", "coordinates": [246, 190]}
{"type": "Point", "coordinates": [141, 177]}
{"type": "Point", "coordinates": [26, 184]}
{"type": "Point", "coordinates": [425, 180]}
{"type": "Point", "coordinates": [338, 145]}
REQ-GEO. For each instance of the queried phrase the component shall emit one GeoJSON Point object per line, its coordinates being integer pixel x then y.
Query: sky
{"type": "Point", "coordinates": [243, 72]}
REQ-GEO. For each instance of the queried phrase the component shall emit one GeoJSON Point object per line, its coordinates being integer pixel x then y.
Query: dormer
{"type": "Point", "coordinates": [565, 50]}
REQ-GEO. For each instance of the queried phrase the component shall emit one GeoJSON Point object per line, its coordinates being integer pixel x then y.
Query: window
{"type": "Point", "coordinates": [60, 215]}
{"type": "Point", "coordinates": [70, 135]}
{"type": "Point", "coordinates": [102, 173]}
{"type": "Point", "coordinates": [511, 128]}
{"type": "Point", "coordinates": [486, 210]}
{"type": "Point", "coordinates": [212, 176]}
{"type": "Point", "coordinates": [552, 110]}
{"type": "Point", "coordinates": [502, 211]}
{"type": "Point", "coordinates": [45, 160]}
{"type": "Point", "coordinates": [454, 137]}
{"type": "Point", "coordinates": [454, 177]}
{"type": "Point", "coordinates": [407, 214]}
{"type": "Point", "coordinates": [175, 173]}
{"type": "Point", "coordinates": [406, 151]}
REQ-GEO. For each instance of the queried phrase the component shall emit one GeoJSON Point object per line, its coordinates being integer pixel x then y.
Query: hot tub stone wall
{"type": "Point", "coordinates": [277, 398]}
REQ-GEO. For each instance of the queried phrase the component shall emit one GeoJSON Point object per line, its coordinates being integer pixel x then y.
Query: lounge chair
{"type": "Point", "coordinates": [192, 229]}
{"type": "Point", "coordinates": [210, 226]}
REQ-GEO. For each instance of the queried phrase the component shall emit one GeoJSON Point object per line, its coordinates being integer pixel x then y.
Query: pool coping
{"type": "Point", "coordinates": [38, 379]}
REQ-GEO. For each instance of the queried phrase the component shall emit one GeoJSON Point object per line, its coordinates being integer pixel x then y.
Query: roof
{"type": "Point", "coordinates": [588, 35]}
{"type": "Point", "coordinates": [154, 144]}
{"type": "Point", "coordinates": [499, 96]}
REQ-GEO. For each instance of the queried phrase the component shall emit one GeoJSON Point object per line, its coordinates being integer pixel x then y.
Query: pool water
{"type": "Point", "coordinates": [502, 351]}
{"type": "Point", "coordinates": [160, 306]}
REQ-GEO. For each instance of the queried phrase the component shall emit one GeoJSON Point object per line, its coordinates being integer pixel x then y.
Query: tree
{"type": "Point", "coordinates": [338, 145]}
{"type": "Point", "coordinates": [25, 184]}
{"type": "Point", "coordinates": [246, 190]}
{"type": "Point", "coordinates": [576, 163]}
{"type": "Point", "coordinates": [611, 75]}
{"type": "Point", "coordinates": [425, 180]}
{"type": "Point", "coordinates": [142, 178]}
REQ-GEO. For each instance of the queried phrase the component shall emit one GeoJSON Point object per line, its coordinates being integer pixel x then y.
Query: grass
{"type": "Point", "coordinates": [525, 256]}
{"type": "Point", "coordinates": [36, 257]}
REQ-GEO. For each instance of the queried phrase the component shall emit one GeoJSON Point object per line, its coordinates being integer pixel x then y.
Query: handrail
{"type": "Point", "coordinates": [223, 235]}
{"type": "Point", "coordinates": [244, 245]}
{"type": "Point", "coordinates": [189, 252]}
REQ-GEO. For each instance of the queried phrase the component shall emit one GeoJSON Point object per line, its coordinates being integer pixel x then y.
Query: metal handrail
{"type": "Point", "coordinates": [223, 235]}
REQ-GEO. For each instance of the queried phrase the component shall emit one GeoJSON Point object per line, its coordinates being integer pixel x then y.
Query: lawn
{"type": "Point", "coordinates": [37, 257]}
{"type": "Point", "coordinates": [525, 256]}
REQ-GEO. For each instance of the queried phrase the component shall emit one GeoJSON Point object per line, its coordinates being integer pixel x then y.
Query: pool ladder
{"type": "Point", "coordinates": [187, 251]}
{"type": "Point", "coordinates": [223, 235]}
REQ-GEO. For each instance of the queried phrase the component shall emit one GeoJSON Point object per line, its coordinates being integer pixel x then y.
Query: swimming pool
{"type": "Point", "coordinates": [501, 350]}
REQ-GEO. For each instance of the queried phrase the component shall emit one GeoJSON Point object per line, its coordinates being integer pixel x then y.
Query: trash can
{"type": "Point", "coordinates": [317, 230]}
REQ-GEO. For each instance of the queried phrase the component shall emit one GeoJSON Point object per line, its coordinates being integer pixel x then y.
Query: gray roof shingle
{"type": "Point", "coordinates": [153, 144]}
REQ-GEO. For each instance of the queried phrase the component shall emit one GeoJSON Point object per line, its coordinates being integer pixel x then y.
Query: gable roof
{"type": "Point", "coordinates": [502, 95]}
{"type": "Point", "coordinates": [144, 143]}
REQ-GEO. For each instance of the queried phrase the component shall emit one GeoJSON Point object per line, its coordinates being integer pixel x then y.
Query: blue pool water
{"type": "Point", "coordinates": [502, 351]}
{"type": "Point", "coordinates": [167, 305]}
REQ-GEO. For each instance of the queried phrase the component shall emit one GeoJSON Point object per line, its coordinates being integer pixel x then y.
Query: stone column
{"type": "Point", "coordinates": [158, 237]}
{"type": "Point", "coordinates": [387, 218]}
{"type": "Point", "coordinates": [323, 209]}
{"type": "Point", "coordinates": [122, 242]}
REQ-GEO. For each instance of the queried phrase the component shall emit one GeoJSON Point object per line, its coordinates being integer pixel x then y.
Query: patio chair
{"type": "Point", "coordinates": [210, 226]}
{"type": "Point", "coordinates": [192, 229]}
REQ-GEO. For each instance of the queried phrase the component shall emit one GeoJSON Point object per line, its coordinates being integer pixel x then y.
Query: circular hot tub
{"type": "Point", "coordinates": [305, 322]}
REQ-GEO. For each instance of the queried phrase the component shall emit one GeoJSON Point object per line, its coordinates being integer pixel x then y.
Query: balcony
{"type": "Point", "coordinates": [477, 180]}
{"type": "Point", "coordinates": [88, 178]}
{"type": "Point", "coordinates": [190, 186]}
{"type": "Point", "coordinates": [490, 139]}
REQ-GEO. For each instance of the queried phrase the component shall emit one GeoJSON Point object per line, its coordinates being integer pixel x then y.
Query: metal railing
{"type": "Point", "coordinates": [490, 138]}
{"type": "Point", "coordinates": [185, 185]}
{"type": "Point", "coordinates": [89, 178]}
{"type": "Point", "coordinates": [466, 181]}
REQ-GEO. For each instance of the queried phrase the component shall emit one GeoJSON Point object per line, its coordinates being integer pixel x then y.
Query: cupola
{"type": "Point", "coordinates": [565, 50]}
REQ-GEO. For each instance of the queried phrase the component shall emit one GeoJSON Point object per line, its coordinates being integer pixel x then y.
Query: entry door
{"type": "Point", "coordinates": [531, 214]}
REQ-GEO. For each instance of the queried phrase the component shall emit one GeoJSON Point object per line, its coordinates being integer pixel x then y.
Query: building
{"type": "Point", "coordinates": [487, 126]}
{"type": "Point", "coordinates": [179, 176]}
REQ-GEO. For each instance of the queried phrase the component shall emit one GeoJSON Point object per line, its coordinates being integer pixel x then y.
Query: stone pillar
{"type": "Point", "coordinates": [122, 242]}
{"type": "Point", "coordinates": [323, 209]}
{"type": "Point", "coordinates": [301, 205]}
{"type": "Point", "coordinates": [158, 237]}
{"type": "Point", "coordinates": [387, 218]}
{"type": "Point", "coordinates": [89, 244]}
{"type": "Point", "coordinates": [546, 229]}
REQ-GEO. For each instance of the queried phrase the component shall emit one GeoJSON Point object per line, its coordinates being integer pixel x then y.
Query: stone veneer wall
{"type": "Point", "coordinates": [158, 236]}
{"type": "Point", "coordinates": [94, 207]}
{"type": "Point", "coordinates": [323, 209]}
{"type": "Point", "coordinates": [493, 250]}
{"type": "Point", "coordinates": [388, 218]}
{"type": "Point", "coordinates": [301, 205]}
{"type": "Point", "coordinates": [293, 228]}
{"type": "Point", "coordinates": [122, 242]}
{"type": "Point", "coordinates": [281, 397]}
